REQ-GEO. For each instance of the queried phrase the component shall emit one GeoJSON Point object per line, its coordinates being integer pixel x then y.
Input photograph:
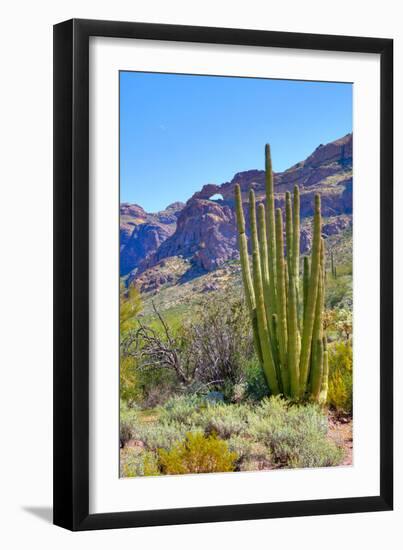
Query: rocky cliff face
{"type": "Point", "coordinates": [141, 233]}
{"type": "Point", "coordinates": [204, 231]}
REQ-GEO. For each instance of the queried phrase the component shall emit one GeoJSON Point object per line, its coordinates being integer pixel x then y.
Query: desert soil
{"type": "Point", "coordinates": [341, 432]}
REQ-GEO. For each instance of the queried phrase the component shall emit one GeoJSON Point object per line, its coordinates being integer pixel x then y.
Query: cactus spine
{"type": "Point", "coordinates": [288, 331]}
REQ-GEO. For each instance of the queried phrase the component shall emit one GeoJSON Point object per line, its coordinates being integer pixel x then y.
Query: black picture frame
{"type": "Point", "coordinates": [71, 274]}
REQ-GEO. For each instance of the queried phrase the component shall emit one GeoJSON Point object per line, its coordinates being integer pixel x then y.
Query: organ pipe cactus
{"type": "Point", "coordinates": [287, 321]}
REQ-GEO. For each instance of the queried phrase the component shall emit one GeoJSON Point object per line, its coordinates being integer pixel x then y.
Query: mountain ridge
{"type": "Point", "coordinates": [203, 231]}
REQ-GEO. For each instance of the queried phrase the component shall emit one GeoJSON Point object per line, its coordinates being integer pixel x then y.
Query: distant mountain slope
{"type": "Point", "coordinates": [203, 231]}
{"type": "Point", "coordinates": [142, 233]}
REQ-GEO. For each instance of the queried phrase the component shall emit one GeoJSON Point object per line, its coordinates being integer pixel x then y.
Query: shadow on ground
{"type": "Point", "coordinates": [45, 513]}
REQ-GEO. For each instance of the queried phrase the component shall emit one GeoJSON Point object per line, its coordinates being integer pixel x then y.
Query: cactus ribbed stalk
{"type": "Point", "coordinates": [288, 333]}
{"type": "Point", "coordinates": [289, 234]}
{"type": "Point", "coordinates": [317, 341]}
{"type": "Point", "coordinates": [246, 275]}
{"type": "Point", "coordinates": [281, 301]}
{"type": "Point", "coordinates": [268, 363]}
{"type": "Point", "coordinates": [271, 227]}
{"type": "Point", "coordinates": [296, 235]}
{"type": "Point", "coordinates": [264, 264]}
{"type": "Point", "coordinates": [296, 247]}
{"type": "Point", "coordinates": [293, 338]}
{"type": "Point", "coordinates": [325, 377]}
{"type": "Point", "coordinates": [309, 317]}
{"type": "Point", "coordinates": [307, 274]}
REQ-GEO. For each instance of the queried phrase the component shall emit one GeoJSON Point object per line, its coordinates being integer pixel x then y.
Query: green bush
{"type": "Point", "coordinates": [130, 306]}
{"type": "Point", "coordinates": [128, 379]}
{"type": "Point", "coordinates": [339, 292]}
{"type": "Point", "coordinates": [340, 392]}
{"type": "Point", "coordinates": [197, 454]}
{"type": "Point", "coordinates": [223, 420]}
{"type": "Point", "coordinates": [156, 386]}
{"type": "Point", "coordinates": [241, 446]}
{"type": "Point", "coordinates": [314, 452]}
{"type": "Point", "coordinates": [252, 455]}
{"type": "Point", "coordinates": [294, 434]}
{"type": "Point", "coordinates": [128, 422]}
{"type": "Point", "coordinates": [235, 393]}
{"type": "Point", "coordinates": [134, 462]}
{"type": "Point", "coordinates": [161, 435]}
{"type": "Point", "coordinates": [182, 409]}
{"type": "Point", "coordinates": [273, 433]}
{"type": "Point", "coordinates": [199, 413]}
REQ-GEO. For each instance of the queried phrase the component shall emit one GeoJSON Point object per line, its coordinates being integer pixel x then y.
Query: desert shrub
{"type": "Point", "coordinates": [156, 349]}
{"type": "Point", "coordinates": [195, 412]}
{"type": "Point", "coordinates": [241, 446]}
{"type": "Point", "coordinates": [237, 392]}
{"type": "Point", "coordinates": [148, 388]}
{"type": "Point", "coordinates": [182, 409]}
{"type": "Point", "coordinates": [128, 421]}
{"type": "Point", "coordinates": [294, 434]}
{"type": "Point", "coordinates": [211, 417]}
{"type": "Point", "coordinates": [216, 341]}
{"type": "Point", "coordinates": [130, 306]}
{"type": "Point", "coordinates": [273, 408]}
{"type": "Point", "coordinates": [156, 387]}
{"type": "Point", "coordinates": [161, 435]}
{"type": "Point", "coordinates": [344, 323]}
{"type": "Point", "coordinates": [206, 353]}
{"type": "Point", "coordinates": [223, 420]}
{"type": "Point", "coordinates": [256, 385]}
{"type": "Point", "coordinates": [339, 293]}
{"type": "Point", "coordinates": [252, 455]}
{"type": "Point", "coordinates": [128, 379]}
{"type": "Point", "coordinates": [340, 392]}
{"type": "Point", "coordinates": [316, 452]}
{"type": "Point", "coordinates": [134, 462]}
{"type": "Point", "coordinates": [197, 454]}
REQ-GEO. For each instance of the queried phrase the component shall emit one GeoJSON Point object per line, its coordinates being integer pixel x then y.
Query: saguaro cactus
{"type": "Point", "coordinates": [287, 324]}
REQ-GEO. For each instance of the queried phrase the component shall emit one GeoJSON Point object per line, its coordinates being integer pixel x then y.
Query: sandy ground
{"type": "Point", "coordinates": [341, 432]}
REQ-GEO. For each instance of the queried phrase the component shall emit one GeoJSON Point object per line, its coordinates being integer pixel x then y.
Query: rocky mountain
{"type": "Point", "coordinates": [141, 233]}
{"type": "Point", "coordinates": [203, 231]}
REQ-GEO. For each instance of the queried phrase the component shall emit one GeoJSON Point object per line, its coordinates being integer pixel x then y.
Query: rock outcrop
{"type": "Point", "coordinates": [205, 232]}
{"type": "Point", "coordinates": [141, 233]}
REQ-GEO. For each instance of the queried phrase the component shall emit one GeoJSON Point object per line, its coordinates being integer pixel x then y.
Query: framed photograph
{"type": "Point", "coordinates": [223, 274]}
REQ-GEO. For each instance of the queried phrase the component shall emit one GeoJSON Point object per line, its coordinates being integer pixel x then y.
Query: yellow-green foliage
{"type": "Point", "coordinates": [198, 454]}
{"type": "Point", "coordinates": [130, 307]}
{"type": "Point", "coordinates": [135, 463]}
{"type": "Point", "coordinates": [340, 393]}
{"type": "Point", "coordinates": [129, 390]}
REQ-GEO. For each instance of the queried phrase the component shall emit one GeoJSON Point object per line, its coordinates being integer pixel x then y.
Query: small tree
{"type": "Point", "coordinates": [159, 350]}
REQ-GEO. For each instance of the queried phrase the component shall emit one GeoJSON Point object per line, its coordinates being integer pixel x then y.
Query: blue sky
{"type": "Point", "coordinates": [179, 132]}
